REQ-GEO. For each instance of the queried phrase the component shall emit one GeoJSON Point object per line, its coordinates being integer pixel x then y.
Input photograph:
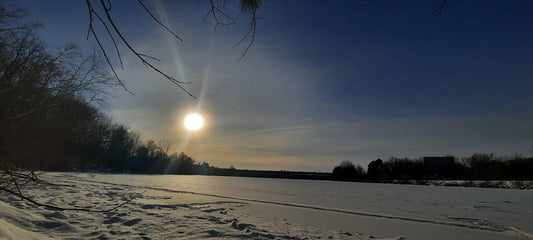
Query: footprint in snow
{"type": "Point", "coordinates": [132, 222]}
{"type": "Point", "coordinates": [214, 233]}
{"type": "Point", "coordinates": [113, 220]}
{"type": "Point", "coordinates": [48, 224]}
{"type": "Point", "coordinates": [57, 215]}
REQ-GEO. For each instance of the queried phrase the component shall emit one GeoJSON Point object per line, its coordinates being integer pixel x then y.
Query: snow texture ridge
{"type": "Point", "coordinates": [198, 207]}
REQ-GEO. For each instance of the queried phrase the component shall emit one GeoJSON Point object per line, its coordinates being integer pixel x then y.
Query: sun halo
{"type": "Point", "coordinates": [193, 122]}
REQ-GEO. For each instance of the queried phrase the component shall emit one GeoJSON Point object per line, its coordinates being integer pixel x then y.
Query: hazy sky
{"type": "Point", "coordinates": [325, 81]}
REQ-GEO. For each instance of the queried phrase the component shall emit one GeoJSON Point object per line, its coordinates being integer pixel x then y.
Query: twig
{"type": "Point", "coordinates": [91, 30]}
{"type": "Point", "coordinates": [117, 31]}
{"type": "Point", "coordinates": [16, 184]}
{"type": "Point", "coordinates": [110, 35]}
{"type": "Point", "coordinates": [252, 31]}
{"type": "Point", "coordinates": [70, 209]}
{"type": "Point", "coordinates": [214, 11]}
{"type": "Point", "coordinates": [32, 177]}
{"type": "Point", "coordinates": [159, 22]}
{"type": "Point", "coordinates": [438, 11]}
{"type": "Point", "coordinates": [148, 56]}
{"type": "Point", "coordinates": [106, 6]}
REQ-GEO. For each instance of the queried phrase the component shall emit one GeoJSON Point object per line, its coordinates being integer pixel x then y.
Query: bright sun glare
{"type": "Point", "coordinates": [194, 122]}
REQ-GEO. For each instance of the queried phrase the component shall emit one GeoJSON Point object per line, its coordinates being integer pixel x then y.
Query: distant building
{"type": "Point", "coordinates": [438, 163]}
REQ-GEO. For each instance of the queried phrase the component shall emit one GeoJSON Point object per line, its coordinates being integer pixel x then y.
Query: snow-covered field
{"type": "Point", "coordinates": [192, 207]}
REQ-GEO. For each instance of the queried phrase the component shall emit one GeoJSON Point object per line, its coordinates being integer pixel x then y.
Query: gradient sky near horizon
{"type": "Point", "coordinates": [325, 81]}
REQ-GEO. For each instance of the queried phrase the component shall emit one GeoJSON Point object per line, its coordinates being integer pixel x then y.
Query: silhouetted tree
{"type": "Point", "coordinates": [481, 165]}
{"type": "Point", "coordinates": [48, 118]}
{"type": "Point", "coordinates": [120, 148]}
{"type": "Point", "coordinates": [164, 145]}
{"type": "Point", "coordinates": [185, 164]}
{"type": "Point", "coordinates": [375, 170]}
{"type": "Point", "coordinates": [346, 170]}
{"type": "Point", "coordinates": [47, 98]}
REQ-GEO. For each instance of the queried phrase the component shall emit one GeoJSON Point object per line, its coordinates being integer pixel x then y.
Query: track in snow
{"type": "Point", "coordinates": [475, 224]}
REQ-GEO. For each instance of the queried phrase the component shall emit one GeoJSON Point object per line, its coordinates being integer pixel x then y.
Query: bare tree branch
{"type": "Point", "coordinates": [69, 209]}
{"type": "Point", "coordinates": [438, 11]}
{"type": "Point", "coordinates": [91, 30]}
{"type": "Point", "coordinates": [157, 20]}
{"type": "Point", "coordinates": [251, 31]}
{"type": "Point", "coordinates": [9, 15]}
{"type": "Point", "coordinates": [217, 10]}
{"type": "Point", "coordinates": [219, 13]}
{"type": "Point", "coordinates": [251, 7]}
{"type": "Point", "coordinates": [111, 36]}
{"type": "Point", "coordinates": [30, 176]}
{"type": "Point", "coordinates": [147, 56]}
{"type": "Point", "coordinates": [141, 56]}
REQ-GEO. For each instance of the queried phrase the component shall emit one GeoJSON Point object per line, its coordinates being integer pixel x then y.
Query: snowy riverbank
{"type": "Point", "coordinates": [153, 215]}
{"type": "Point", "coordinates": [504, 184]}
{"type": "Point", "coordinates": [195, 207]}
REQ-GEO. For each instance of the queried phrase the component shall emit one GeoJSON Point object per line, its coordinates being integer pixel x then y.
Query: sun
{"type": "Point", "coordinates": [194, 122]}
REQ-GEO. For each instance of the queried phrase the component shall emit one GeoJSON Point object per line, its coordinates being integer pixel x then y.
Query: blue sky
{"type": "Point", "coordinates": [325, 81]}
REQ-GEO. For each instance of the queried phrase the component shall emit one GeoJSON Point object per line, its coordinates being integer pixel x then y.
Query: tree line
{"type": "Point", "coordinates": [475, 167]}
{"type": "Point", "coordinates": [50, 117]}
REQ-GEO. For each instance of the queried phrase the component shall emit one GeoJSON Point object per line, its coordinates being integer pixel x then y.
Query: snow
{"type": "Point", "coordinates": [13, 222]}
{"type": "Point", "coordinates": [192, 207]}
